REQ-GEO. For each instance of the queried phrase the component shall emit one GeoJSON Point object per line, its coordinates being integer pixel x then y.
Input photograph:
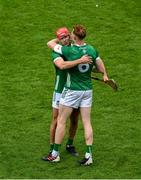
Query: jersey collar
{"type": "Point", "coordinates": [79, 45]}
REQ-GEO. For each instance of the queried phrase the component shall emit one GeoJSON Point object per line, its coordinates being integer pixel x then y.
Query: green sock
{"type": "Point", "coordinates": [51, 147]}
{"type": "Point", "coordinates": [70, 141]}
{"type": "Point", "coordinates": [56, 147]}
{"type": "Point", "coordinates": [89, 149]}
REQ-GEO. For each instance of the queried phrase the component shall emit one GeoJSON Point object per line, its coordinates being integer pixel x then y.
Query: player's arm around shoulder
{"type": "Point", "coordinates": [53, 44]}
{"type": "Point", "coordinates": [59, 62]}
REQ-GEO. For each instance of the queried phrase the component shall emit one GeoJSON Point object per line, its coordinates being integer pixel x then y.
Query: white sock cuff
{"type": "Point", "coordinates": [55, 153]}
{"type": "Point", "coordinates": [87, 155]}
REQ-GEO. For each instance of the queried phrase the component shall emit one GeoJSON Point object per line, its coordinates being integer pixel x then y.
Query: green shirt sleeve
{"type": "Point", "coordinates": [97, 54]}
{"type": "Point", "coordinates": [93, 52]}
{"type": "Point", "coordinates": [55, 55]}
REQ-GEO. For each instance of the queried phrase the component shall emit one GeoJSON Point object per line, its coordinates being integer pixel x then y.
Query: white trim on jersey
{"type": "Point", "coordinates": [56, 59]}
{"type": "Point", "coordinates": [98, 58]}
{"type": "Point", "coordinates": [58, 48]}
{"type": "Point", "coordinates": [57, 82]}
{"type": "Point", "coordinates": [68, 82]}
{"type": "Point", "coordinates": [80, 45]}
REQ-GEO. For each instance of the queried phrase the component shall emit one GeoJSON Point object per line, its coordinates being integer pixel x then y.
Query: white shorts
{"type": "Point", "coordinates": [76, 99]}
{"type": "Point", "coordinates": [56, 100]}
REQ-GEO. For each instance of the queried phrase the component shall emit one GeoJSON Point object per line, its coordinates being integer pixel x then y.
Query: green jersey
{"type": "Point", "coordinates": [61, 75]}
{"type": "Point", "coordinates": [79, 77]}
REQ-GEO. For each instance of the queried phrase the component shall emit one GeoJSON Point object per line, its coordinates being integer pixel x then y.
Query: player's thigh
{"type": "Point", "coordinates": [85, 114]}
{"type": "Point", "coordinates": [64, 113]}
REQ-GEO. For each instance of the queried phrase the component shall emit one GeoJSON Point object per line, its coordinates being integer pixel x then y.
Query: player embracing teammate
{"type": "Point", "coordinates": [77, 93]}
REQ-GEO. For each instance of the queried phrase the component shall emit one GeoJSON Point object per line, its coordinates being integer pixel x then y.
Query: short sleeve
{"type": "Point", "coordinates": [55, 55]}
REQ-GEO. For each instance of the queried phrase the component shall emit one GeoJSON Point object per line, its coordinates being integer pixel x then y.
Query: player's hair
{"type": "Point", "coordinates": [79, 31]}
